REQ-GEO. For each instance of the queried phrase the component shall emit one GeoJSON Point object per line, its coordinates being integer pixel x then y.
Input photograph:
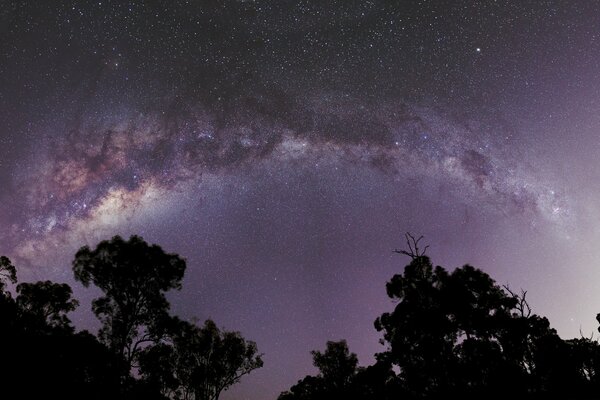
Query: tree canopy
{"type": "Point", "coordinates": [44, 356]}
{"type": "Point", "coordinates": [450, 333]}
{"type": "Point", "coordinates": [199, 362]}
{"type": "Point", "coordinates": [460, 333]}
{"type": "Point", "coordinates": [8, 272]}
{"type": "Point", "coordinates": [337, 367]}
{"type": "Point", "coordinates": [47, 301]}
{"type": "Point", "coordinates": [134, 277]}
{"type": "Point", "coordinates": [456, 334]}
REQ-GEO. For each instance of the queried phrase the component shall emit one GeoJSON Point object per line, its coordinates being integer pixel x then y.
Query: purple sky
{"type": "Point", "coordinates": [284, 147]}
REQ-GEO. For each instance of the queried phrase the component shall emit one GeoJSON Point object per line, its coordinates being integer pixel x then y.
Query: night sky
{"type": "Point", "coordinates": [284, 147]}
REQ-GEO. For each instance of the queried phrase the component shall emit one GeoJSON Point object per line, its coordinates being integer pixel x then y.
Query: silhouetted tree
{"type": "Point", "coordinates": [134, 277]}
{"type": "Point", "coordinates": [59, 365]}
{"type": "Point", "coordinates": [160, 370]}
{"type": "Point", "coordinates": [376, 382]}
{"type": "Point", "coordinates": [450, 334]}
{"type": "Point", "coordinates": [337, 367]}
{"type": "Point", "coordinates": [10, 324]}
{"type": "Point", "coordinates": [48, 302]}
{"type": "Point", "coordinates": [8, 307]}
{"type": "Point", "coordinates": [336, 364]}
{"type": "Point", "coordinates": [42, 357]}
{"type": "Point", "coordinates": [419, 333]}
{"type": "Point", "coordinates": [308, 388]}
{"type": "Point", "coordinates": [8, 273]}
{"type": "Point", "coordinates": [461, 334]}
{"type": "Point", "coordinates": [413, 247]}
{"type": "Point", "coordinates": [583, 356]}
{"type": "Point", "coordinates": [200, 362]}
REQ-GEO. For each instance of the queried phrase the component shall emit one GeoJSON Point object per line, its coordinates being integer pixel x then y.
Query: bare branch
{"type": "Point", "coordinates": [522, 305]}
{"type": "Point", "coordinates": [591, 338]}
{"type": "Point", "coordinates": [413, 247]}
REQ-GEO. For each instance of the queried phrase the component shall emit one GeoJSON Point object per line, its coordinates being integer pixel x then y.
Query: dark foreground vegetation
{"type": "Point", "coordinates": [140, 352]}
{"type": "Point", "coordinates": [457, 335]}
{"type": "Point", "coordinates": [450, 335]}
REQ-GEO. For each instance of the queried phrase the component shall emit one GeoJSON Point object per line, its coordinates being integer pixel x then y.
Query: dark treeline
{"type": "Point", "coordinates": [450, 335]}
{"type": "Point", "coordinates": [456, 335]}
{"type": "Point", "coordinates": [140, 352]}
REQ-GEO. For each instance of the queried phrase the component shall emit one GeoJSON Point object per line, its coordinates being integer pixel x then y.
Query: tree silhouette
{"type": "Point", "coordinates": [376, 382]}
{"type": "Point", "coordinates": [413, 246]}
{"type": "Point", "coordinates": [8, 272]}
{"type": "Point", "coordinates": [419, 333]}
{"type": "Point", "coordinates": [8, 307]}
{"type": "Point", "coordinates": [42, 357]}
{"type": "Point", "coordinates": [450, 334]}
{"type": "Point", "coordinates": [337, 367]}
{"type": "Point", "coordinates": [456, 334]}
{"type": "Point", "coordinates": [48, 302]}
{"type": "Point", "coordinates": [459, 333]}
{"type": "Point", "coordinates": [336, 364]}
{"type": "Point", "coordinates": [9, 315]}
{"type": "Point", "coordinates": [200, 362]}
{"type": "Point", "coordinates": [583, 357]}
{"type": "Point", "coordinates": [134, 277]}
{"type": "Point", "coordinates": [308, 388]}
{"type": "Point", "coordinates": [176, 359]}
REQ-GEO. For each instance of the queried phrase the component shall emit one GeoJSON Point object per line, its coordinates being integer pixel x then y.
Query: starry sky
{"type": "Point", "coordinates": [284, 147]}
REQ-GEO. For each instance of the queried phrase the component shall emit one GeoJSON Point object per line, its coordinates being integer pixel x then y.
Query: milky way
{"type": "Point", "coordinates": [283, 148]}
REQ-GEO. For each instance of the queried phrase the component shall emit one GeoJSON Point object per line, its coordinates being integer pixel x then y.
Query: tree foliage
{"type": "Point", "coordinates": [199, 362]}
{"type": "Point", "coordinates": [134, 277]}
{"type": "Point", "coordinates": [337, 367]}
{"type": "Point", "coordinates": [450, 334]}
{"type": "Point", "coordinates": [443, 322]}
{"type": "Point", "coordinates": [457, 334]}
{"type": "Point", "coordinates": [460, 333]}
{"type": "Point", "coordinates": [47, 301]}
{"type": "Point", "coordinates": [336, 364]}
{"type": "Point", "coordinates": [44, 357]}
{"type": "Point", "coordinates": [8, 273]}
